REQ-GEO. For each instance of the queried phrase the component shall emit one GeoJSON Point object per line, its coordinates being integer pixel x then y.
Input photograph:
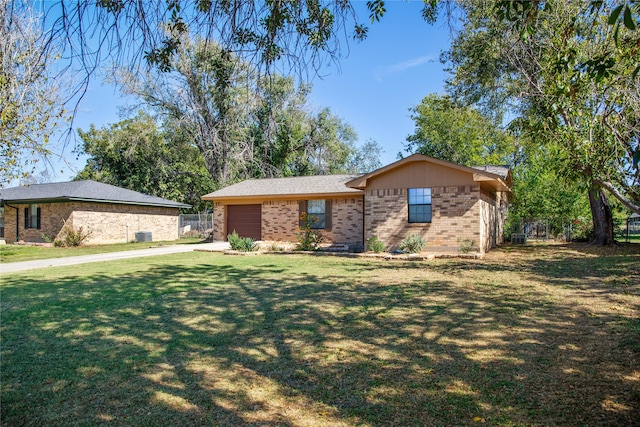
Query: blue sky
{"type": "Point", "coordinates": [372, 89]}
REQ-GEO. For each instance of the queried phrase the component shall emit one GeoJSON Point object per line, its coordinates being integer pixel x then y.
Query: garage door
{"type": "Point", "coordinates": [245, 219]}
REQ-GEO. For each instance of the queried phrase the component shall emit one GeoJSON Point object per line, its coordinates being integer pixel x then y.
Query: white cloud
{"type": "Point", "coordinates": [381, 72]}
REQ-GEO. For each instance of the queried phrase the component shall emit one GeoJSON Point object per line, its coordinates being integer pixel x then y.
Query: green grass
{"type": "Point", "coordinates": [531, 335]}
{"type": "Point", "coordinates": [16, 253]}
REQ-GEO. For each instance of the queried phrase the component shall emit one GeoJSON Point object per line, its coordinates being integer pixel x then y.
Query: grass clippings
{"type": "Point", "coordinates": [530, 335]}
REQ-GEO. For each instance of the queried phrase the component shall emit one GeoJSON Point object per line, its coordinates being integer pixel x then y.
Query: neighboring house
{"type": "Point", "coordinates": [109, 214]}
{"type": "Point", "coordinates": [447, 204]}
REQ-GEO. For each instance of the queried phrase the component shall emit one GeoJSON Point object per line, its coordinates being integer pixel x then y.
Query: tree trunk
{"type": "Point", "coordinates": [602, 217]}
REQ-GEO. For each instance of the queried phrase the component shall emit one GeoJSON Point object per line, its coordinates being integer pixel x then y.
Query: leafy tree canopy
{"type": "Point", "coordinates": [569, 78]}
{"type": "Point", "coordinates": [138, 155]}
{"type": "Point", "coordinates": [31, 108]}
{"type": "Point", "coordinates": [449, 131]}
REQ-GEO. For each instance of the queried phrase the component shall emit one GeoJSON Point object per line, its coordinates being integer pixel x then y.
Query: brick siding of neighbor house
{"type": "Point", "coordinates": [280, 220]}
{"type": "Point", "coordinates": [106, 223]}
{"type": "Point", "coordinates": [455, 217]}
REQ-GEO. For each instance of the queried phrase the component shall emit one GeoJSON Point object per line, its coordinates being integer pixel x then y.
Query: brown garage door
{"type": "Point", "coordinates": [245, 219]}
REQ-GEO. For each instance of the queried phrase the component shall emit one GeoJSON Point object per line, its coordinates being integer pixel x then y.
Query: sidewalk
{"type": "Point", "coordinates": [160, 250]}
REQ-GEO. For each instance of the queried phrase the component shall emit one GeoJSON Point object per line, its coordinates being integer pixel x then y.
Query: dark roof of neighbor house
{"type": "Point", "coordinates": [85, 191]}
{"type": "Point", "coordinates": [486, 174]}
{"type": "Point", "coordinates": [317, 185]}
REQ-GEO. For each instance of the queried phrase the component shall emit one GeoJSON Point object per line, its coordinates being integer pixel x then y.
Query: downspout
{"type": "Point", "coordinates": [17, 220]}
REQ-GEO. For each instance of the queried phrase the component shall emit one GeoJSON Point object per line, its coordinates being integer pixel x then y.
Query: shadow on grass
{"type": "Point", "coordinates": [275, 341]}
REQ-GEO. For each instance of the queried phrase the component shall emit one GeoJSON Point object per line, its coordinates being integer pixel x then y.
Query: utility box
{"type": "Point", "coordinates": [144, 236]}
{"type": "Point", "coordinates": [520, 239]}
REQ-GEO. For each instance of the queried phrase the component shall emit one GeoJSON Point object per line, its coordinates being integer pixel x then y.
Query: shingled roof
{"type": "Point", "coordinates": [84, 191]}
{"type": "Point", "coordinates": [500, 170]}
{"type": "Point", "coordinates": [299, 186]}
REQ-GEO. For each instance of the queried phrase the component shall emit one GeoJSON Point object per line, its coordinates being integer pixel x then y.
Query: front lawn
{"type": "Point", "coordinates": [16, 253]}
{"type": "Point", "coordinates": [531, 335]}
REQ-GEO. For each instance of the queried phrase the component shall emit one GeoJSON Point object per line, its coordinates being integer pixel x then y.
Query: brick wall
{"type": "Point", "coordinates": [455, 217]}
{"type": "Point", "coordinates": [52, 218]}
{"type": "Point", "coordinates": [347, 222]}
{"type": "Point", "coordinates": [219, 225]}
{"type": "Point", "coordinates": [107, 223]}
{"type": "Point", "coordinates": [280, 219]}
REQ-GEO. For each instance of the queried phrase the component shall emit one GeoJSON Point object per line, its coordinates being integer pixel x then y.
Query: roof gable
{"type": "Point", "coordinates": [491, 175]}
{"type": "Point", "coordinates": [87, 191]}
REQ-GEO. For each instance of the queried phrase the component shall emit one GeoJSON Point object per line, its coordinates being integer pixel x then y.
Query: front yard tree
{"type": "Point", "coordinates": [571, 80]}
{"type": "Point", "coordinates": [30, 105]}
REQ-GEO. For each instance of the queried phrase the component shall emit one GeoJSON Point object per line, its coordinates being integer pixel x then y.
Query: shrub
{"type": "Point", "coordinates": [375, 245]}
{"type": "Point", "coordinates": [71, 236]}
{"type": "Point", "coordinates": [413, 244]}
{"type": "Point", "coordinates": [242, 244]}
{"type": "Point", "coordinates": [274, 247]}
{"type": "Point", "coordinates": [467, 245]}
{"type": "Point", "coordinates": [309, 239]}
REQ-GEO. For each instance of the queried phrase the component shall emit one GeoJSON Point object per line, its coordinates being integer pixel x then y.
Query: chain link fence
{"type": "Point", "coordinates": [196, 225]}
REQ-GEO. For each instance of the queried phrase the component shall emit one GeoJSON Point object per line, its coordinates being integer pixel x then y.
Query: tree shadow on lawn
{"type": "Point", "coordinates": [263, 344]}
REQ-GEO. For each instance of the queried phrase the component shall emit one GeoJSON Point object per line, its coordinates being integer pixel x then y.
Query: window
{"type": "Point", "coordinates": [316, 209]}
{"type": "Point", "coordinates": [32, 216]}
{"type": "Point", "coordinates": [320, 210]}
{"type": "Point", "coordinates": [419, 204]}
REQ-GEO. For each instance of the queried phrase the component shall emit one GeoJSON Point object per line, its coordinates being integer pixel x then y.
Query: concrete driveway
{"type": "Point", "coordinates": [13, 267]}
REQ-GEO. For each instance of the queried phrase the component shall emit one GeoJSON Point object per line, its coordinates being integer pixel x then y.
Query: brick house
{"type": "Point", "coordinates": [447, 204]}
{"type": "Point", "coordinates": [38, 212]}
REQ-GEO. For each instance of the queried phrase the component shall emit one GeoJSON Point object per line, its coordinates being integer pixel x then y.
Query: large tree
{"type": "Point", "coordinates": [244, 125]}
{"type": "Point", "coordinates": [570, 79]}
{"type": "Point", "coordinates": [30, 103]}
{"type": "Point", "coordinates": [449, 131]}
{"type": "Point", "coordinates": [139, 155]}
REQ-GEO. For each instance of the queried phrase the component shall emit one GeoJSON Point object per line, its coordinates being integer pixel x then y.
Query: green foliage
{"type": "Point", "coordinates": [205, 99]}
{"type": "Point", "coordinates": [467, 245]}
{"type": "Point", "coordinates": [71, 236]}
{"type": "Point", "coordinates": [274, 247]}
{"type": "Point", "coordinates": [375, 245]}
{"type": "Point", "coordinates": [309, 239]}
{"type": "Point", "coordinates": [138, 155]}
{"type": "Point", "coordinates": [242, 244]}
{"type": "Point", "coordinates": [566, 77]}
{"type": "Point", "coordinates": [31, 105]}
{"type": "Point", "coordinates": [449, 131]}
{"type": "Point", "coordinates": [298, 35]}
{"type": "Point", "coordinates": [413, 244]}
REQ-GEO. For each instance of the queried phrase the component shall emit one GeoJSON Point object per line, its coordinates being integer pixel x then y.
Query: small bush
{"type": "Point", "coordinates": [274, 247]}
{"type": "Point", "coordinates": [467, 245]}
{"type": "Point", "coordinates": [375, 245]}
{"type": "Point", "coordinates": [242, 244]}
{"type": "Point", "coordinates": [71, 236]}
{"type": "Point", "coordinates": [413, 244]}
{"type": "Point", "coordinates": [309, 239]}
